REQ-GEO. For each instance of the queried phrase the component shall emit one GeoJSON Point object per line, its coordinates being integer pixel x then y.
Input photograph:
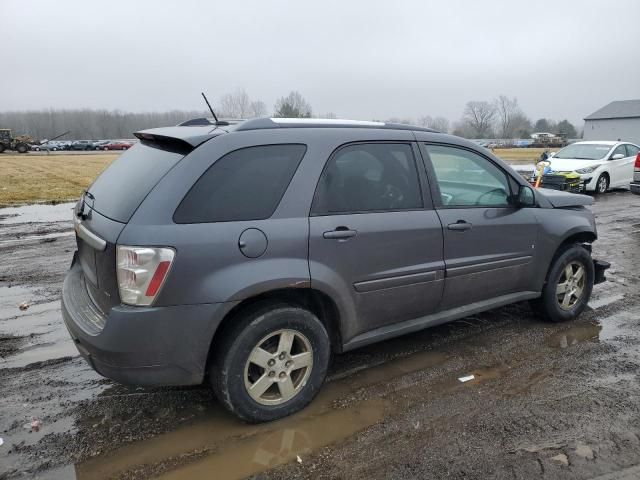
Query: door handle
{"type": "Point", "coordinates": [340, 233]}
{"type": "Point", "coordinates": [460, 226]}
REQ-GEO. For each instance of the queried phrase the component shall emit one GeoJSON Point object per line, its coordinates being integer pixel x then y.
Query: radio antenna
{"type": "Point", "coordinates": [209, 105]}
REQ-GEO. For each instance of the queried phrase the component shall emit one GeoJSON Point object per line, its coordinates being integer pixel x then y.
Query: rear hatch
{"type": "Point", "coordinates": [110, 202]}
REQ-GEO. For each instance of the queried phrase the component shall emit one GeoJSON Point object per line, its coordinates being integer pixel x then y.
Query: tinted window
{"type": "Point", "coordinates": [243, 185]}
{"type": "Point", "coordinates": [619, 150]}
{"type": "Point", "coordinates": [632, 150]}
{"type": "Point", "coordinates": [468, 179]}
{"type": "Point", "coordinates": [123, 186]}
{"type": "Point", "coordinates": [369, 177]}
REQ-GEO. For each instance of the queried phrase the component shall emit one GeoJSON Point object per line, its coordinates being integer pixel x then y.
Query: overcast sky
{"type": "Point", "coordinates": [358, 59]}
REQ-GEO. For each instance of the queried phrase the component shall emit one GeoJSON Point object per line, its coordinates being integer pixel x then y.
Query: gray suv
{"type": "Point", "coordinates": [244, 255]}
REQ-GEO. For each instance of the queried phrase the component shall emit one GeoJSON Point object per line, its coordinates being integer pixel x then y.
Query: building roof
{"type": "Point", "coordinates": [619, 109]}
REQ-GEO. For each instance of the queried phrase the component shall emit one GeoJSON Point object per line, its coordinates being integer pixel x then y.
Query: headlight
{"type": "Point", "coordinates": [587, 169]}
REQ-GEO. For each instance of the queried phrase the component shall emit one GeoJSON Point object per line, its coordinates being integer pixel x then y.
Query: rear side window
{"type": "Point", "coordinates": [246, 184]}
{"type": "Point", "coordinates": [120, 189]}
{"type": "Point", "coordinates": [370, 177]}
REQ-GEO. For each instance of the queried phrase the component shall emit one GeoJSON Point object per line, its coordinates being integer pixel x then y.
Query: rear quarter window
{"type": "Point", "coordinates": [246, 184]}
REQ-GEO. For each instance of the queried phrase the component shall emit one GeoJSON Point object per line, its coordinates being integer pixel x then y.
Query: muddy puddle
{"type": "Point", "coordinates": [220, 443]}
{"type": "Point", "coordinates": [607, 329]}
{"type": "Point", "coordinates": [38, 330]}
{"type": "Point", "coordinates": [217, 442]}
{"type": "Point", "coordinates": [41, 213]}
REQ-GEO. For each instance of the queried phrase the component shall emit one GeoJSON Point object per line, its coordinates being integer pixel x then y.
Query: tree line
{"type": "Point", "coordinates": [500, 118]}
{"type": "Point", "coordinates": [503, 118]}
{"type": "Point", "coordinates": [92, 124]}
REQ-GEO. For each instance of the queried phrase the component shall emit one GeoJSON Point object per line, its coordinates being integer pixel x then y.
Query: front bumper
{"type": "Point", "coordinates": [635, 187]}
{"type": "Point", "coordinates": [600, 267]}
{"type": "Point", "coordinates": [157, 346]}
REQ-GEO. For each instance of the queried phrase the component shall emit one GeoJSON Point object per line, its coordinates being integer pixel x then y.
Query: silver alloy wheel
{"type": "Point", "coordinates": [570, 286]}
{"type": "Point", "coordinates": [602, 184]}
{"type": "Point", "coordinates": [278, 367]}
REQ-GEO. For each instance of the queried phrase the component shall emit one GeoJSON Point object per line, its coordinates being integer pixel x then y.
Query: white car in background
{"type": "Point", "coordinates": [601, 164]}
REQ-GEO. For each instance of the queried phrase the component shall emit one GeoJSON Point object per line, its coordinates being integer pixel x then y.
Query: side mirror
{"type": "Point", "coordinates": [526, 197]}
{"type": "Point", "coordinates": [617, 156]}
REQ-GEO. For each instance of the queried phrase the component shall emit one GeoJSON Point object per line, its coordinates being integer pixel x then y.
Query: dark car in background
{"type": "Point", "coordinates": [245, 255]}
{"type": "Point", "coordinates": [81, 145]}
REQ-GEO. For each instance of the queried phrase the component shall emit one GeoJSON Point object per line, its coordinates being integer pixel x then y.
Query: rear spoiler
{"type": "Point", "coordinates": [177, 139]}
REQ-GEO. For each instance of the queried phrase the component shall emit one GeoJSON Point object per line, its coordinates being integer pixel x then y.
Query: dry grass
{"type": "Point", "coordinates": [520, 155]}
{"type": "Point", "coordinates": [35, 178]}
{"type": "Point", "coordinates": [43, 178]}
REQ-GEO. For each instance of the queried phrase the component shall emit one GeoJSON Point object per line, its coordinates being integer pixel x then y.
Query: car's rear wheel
{"type": "Point", "coordinates": [568, 286]}
{"type": "Point", "coordinates": [270, 363]}
{"type": "Point", "coordinates": [602, 185]}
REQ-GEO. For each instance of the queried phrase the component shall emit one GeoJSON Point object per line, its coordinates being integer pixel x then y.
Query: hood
{"type": "Point", "coordinates": [564, 199]}
{"type": "Point", "coordinates": [570, 164]}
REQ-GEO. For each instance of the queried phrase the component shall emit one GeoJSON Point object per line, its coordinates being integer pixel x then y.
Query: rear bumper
{"type": "Point", "coordinates": [157, 346]}
{"type": "Point", "coordinates": [635, 187]}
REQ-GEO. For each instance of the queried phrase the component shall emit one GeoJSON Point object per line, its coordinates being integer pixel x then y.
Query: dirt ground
{"type": "Point", "coordinates": [61, 176]}
{"type": "Point", "coordinates": [547, 401]}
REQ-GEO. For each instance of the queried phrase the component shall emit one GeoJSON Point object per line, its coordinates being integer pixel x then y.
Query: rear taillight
{"type": "Point", "coordinates": [637, 165]}
{"type": "Point", "coordinates": [141, 272]}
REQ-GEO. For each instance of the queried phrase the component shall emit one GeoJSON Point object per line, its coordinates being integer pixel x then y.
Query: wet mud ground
{"type": "Point", "coordinates": [547, 400]}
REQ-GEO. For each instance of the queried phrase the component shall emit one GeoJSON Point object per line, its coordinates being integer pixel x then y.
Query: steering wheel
{"type": "Point", "coordinates": [392, 196]}
{"type": "Point", "coordinates": [490, 192]}
{"type": "Point", "coordinates": [446, 198]}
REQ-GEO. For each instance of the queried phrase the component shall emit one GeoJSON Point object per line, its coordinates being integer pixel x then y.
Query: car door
{"type": "Point", "coordinates": [620, 169]}
{"type": "Point", "coordinates": [374, 236]}
{"type": "Point", "coordinates": [489, 245]}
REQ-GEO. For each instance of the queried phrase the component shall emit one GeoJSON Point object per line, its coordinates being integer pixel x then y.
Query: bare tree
{"type": "Point", "coordinates": [235, 105]}
{"type": "Point", "coordinates": [506, 109]}
{"type": "Point", "coordinates": [440, 124]}
{"type": "Point", "coordinates": [258, 109]}
{"type": "Point", "coordinates": [292, 106]}
{"type": "Point", "coordinates": [401, 120]}
{"type": "Point", "coordinates": [520, 126]}
{"type": "Point", "coordinates": [479, 116]}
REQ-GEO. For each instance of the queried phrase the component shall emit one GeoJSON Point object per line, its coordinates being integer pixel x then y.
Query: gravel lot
{"type": "Point", "coordinates": [547, 401]}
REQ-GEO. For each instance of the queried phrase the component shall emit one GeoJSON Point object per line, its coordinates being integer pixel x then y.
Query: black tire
{"type": "Point", "coordinates": [229, 367]}
{"type": "Point", "coordinates": [22, 148]}
{"type": "Point", "coordinates": [548, 306]}
{"type": "Point", "coordinates": [602, 185]}
{"type": "Point", "coordinates": [2, 147]}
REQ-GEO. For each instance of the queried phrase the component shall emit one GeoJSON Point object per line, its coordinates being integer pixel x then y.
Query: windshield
{"type": "Point", "coordinates": [584, 151]}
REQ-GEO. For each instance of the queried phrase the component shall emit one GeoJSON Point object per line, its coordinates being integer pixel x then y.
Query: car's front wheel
{"type": "Point", "coordinates": [271, 362]}
{"type": "Point", "coordinates": [568, 287]}
{"type": "Point", "coordinates": [602, 184]}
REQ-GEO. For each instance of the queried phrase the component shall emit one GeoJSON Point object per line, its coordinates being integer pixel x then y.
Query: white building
{"type": "Point", "coordinates": [616, 121]}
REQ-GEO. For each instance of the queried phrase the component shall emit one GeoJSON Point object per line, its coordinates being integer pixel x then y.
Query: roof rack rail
{"type": "Point", "coordinates": [267, 123]}
{"type": "Point", "coordinates": [205, 121]}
